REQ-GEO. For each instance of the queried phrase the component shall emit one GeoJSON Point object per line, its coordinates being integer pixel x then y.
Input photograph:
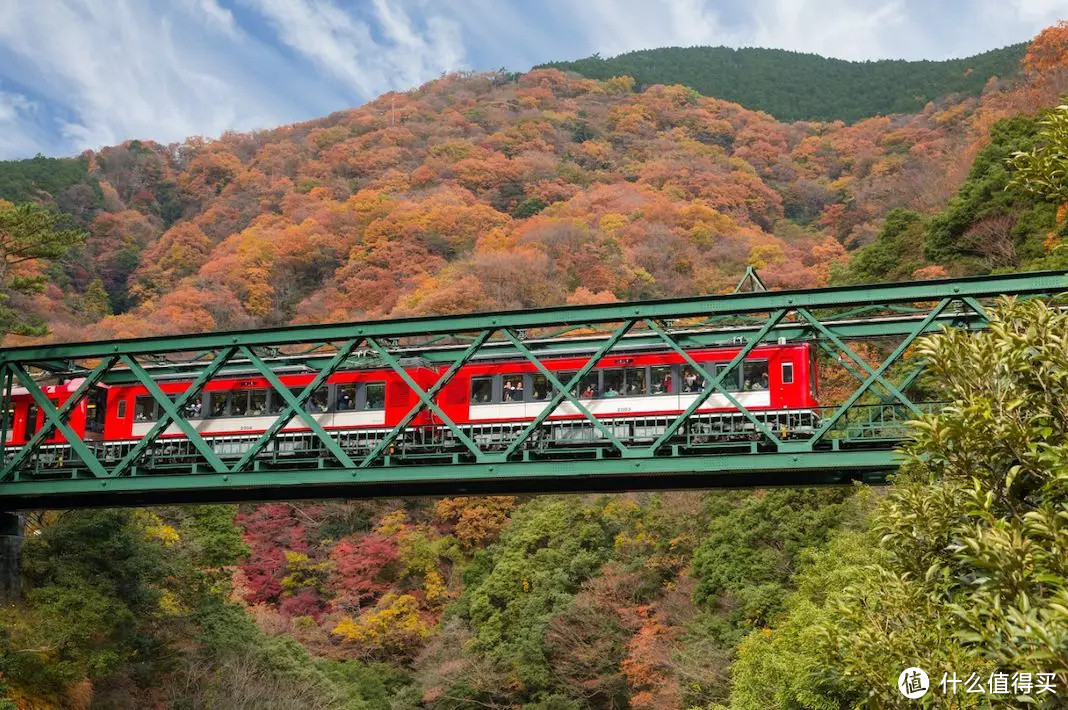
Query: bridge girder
{"type": "Point", "coordinates": [843, 446]}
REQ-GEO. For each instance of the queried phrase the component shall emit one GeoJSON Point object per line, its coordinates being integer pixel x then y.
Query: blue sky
{"type": "Point", "coordinates": [78, 74]}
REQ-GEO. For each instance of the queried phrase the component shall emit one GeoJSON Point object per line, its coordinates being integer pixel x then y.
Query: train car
{"type": "Point", "coordinates": [24, 418]}
{"type": "Point", "coordinates": [635, 395]}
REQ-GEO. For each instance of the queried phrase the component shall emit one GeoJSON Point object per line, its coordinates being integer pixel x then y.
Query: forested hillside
{"type": "Point", "coordinates": [793, 86]}
{"type": "Point", "coordinates": [493, 191]}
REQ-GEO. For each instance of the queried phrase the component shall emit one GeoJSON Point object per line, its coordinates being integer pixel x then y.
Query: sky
{"type": "Point", "coordinates": [82, 74]}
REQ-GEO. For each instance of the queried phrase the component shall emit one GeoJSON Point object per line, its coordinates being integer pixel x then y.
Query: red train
{"type": "Point", "coordinates": [635, 395]}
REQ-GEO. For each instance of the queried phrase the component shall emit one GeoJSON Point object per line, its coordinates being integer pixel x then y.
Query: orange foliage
{"type": "Point", "coordinates": [405, 205]}
{"type": "Point", "coordinates": [1048, 51]}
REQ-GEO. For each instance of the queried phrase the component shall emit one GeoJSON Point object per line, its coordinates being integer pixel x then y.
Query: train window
{"type": "Point", "coordinates": [612, 383]}
{"type": "Point", "coordinates": [634, 382]}
{"type": "Point", "coordinates": [238, 403]}
{"type": "Point", "coordinates": [563, 378]}
{"type": "Point", "coordinates": [346, 397]}
{"type": "Point", "coordinates": [589, 385]}
{"type": "Point", "coordinates": [121, 409]}
{"type": "Point", "coordinates": [94, 410]}
{"type": "Point", "coordinates": [691, 380]}
{"type": "Point", "coordinates": [375, 393]}
{"type": "Point", "coordinates": [661, 379]}
{"type": "Point", "coordinates": [193, 409]}
{"type": "Point", "coordinates": [787, 373]}
{"type": "Point", "coordinates": [756, 374]}
{"type": "Point", "coordinates": [31, 421]}
{"type": "Point", "coordinates": [295, 391]}
{"type": "Point", "coordinates": [145, 409]}
{"type": "Point", "coordinates": [512, 388]}
{"type": "Point", "coordinates": [257, 402]}
{"type": "Point", "coordinates": [275, 403]}
{"type": "Point", "coordinates": [540, 388]}
{"type": "Point", "coordinates": [217, 404]}
{"type": "Point", "coordinates": [9, 417]}
{"type": "Point", "coordinates": [481, 389]}
{"type": "Point", "coordinates": [730, 382]}
{"type": "Point", "coordinates": [319, 400]}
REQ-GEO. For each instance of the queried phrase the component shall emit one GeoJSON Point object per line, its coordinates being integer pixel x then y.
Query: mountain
{"type": "Point", "coordinates": [794, 86]}
{"type": "Point", "coordinates": [490, 191]}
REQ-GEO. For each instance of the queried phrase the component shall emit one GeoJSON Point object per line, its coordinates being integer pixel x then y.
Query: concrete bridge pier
{"type": "Point", "coordinates": [11, 533]}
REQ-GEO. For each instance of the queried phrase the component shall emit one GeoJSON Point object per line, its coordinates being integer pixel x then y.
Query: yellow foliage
{"type": "Point", "coordinates": [295, 558]}
{"type": "Point", "coordinates": [497, 239]}
{"type": "Point", "coordinates": [154, 527]}
{"type": "Point", "coordinates": [613, 222]}
{"type": "Point", "coordinates": [618, 85]}
{"type": "Point", "coordinates": [392, 523]}
{"type": "Point", "coordinates": [434, 586]}
{"type": "Point", "coordinates": [395, 624]}
{"type": "Point", "coordinates": [763, 255]}
{"type": "Point", "coordinates": [951, 114]}
{"type": "Point", "coordinates": [169, 603]}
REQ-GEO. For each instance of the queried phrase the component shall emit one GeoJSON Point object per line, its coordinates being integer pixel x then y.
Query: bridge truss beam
{"type": "Point", "coordinates": [852, 440]}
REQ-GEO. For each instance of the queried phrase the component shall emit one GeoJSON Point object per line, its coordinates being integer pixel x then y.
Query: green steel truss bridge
{"type": "Point", "coordinates": [850, 439]}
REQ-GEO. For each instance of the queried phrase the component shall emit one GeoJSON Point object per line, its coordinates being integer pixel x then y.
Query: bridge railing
{"type": "Point", "coordinates": [867, 423]}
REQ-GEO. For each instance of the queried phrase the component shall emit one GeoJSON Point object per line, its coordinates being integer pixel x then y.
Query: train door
{"type": "Point", "coordinates": [30, 425]}
{"type": "Point", "coordinates": [95, 405]}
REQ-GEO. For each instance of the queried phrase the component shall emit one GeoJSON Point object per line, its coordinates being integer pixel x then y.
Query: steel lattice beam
{"type": "Point", "coordinates": [853, 439]}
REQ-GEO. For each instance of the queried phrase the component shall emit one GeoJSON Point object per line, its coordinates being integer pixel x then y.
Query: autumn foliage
{"type": "Point", "coordinates": [495, 191]}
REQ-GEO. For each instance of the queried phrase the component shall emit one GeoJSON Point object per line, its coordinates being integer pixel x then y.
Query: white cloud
{"type": "Point", "coordinates": [837, 28]}
{"type": "Point", "coordinates": [18, 116]}
{"type": "Point", "coordinates": [213, 15]}
{"type": "Point", "coordinates": [345, 46]}
{"type": "Point", "coordinates": [96, 72]}
{"type": "Point", "coordinates": [14, 106]}
{"type": "Point", "coordinates": [114, 70]}
{"type": "Point", "coordinates": [847, 29]}
{"type": "Point", "coordinates": [110, 70]}
{"type": "Point", "coordinates": [617, 26]}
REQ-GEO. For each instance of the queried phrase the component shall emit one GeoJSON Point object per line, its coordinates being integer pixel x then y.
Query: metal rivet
{"type": "Point", "coordinates": [490, 469]}
{"type": "Point", "coordinates": [226, 478]}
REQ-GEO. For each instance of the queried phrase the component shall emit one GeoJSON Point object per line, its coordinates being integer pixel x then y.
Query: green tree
{"type": "Point", "coordinates": [95, 301]}
{"type": "Point", "coordinates": [1044, 169]}
{"type": "Point", "coordinates": [964, 568]}
{"type": "Point", "coordinates": [545, 554]}
{"type": "Point", "coordinates": [28, 233]}
{"type": "Point", "coordinates": [93, 590]}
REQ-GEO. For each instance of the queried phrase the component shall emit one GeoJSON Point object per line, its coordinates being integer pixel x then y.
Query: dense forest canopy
{"type": "Point", "coordinates": [794, 86]}
{"type": "Point", "coordinates": [497, 191]}
{"type": "Point", "coordinates": [493, 191]}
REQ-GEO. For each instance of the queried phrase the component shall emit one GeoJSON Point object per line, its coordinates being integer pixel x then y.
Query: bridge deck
{"type": "Point", "coordinates": [852, 440]}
